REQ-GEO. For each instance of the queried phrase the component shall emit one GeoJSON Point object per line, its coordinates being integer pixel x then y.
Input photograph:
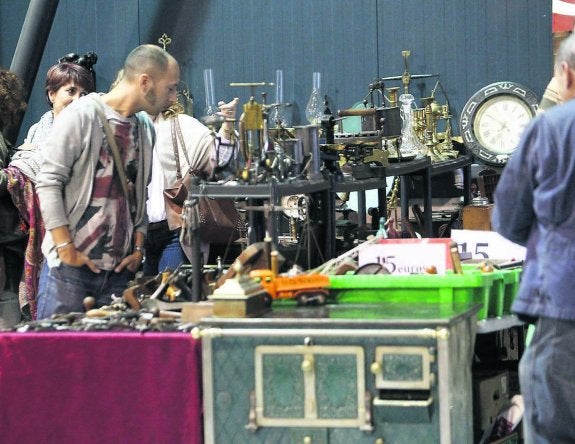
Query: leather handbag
{"type": "Point", "coordinates": [220, 221]}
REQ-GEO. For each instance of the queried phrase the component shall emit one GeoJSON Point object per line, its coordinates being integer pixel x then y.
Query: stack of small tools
{"type": "Point", "coordinates": [148, 304]}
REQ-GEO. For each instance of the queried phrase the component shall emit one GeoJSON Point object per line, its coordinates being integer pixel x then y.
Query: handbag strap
{"type": "Point", "coordinates": [177, 135]}
{"type": "Point", "coordinates": [115, 151]}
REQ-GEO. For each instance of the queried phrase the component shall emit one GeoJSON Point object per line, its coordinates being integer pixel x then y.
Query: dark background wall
{"type": "Point", "coordinates": [469, 43]}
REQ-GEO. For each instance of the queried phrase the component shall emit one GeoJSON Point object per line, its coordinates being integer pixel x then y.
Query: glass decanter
{"type": "Point", "coordinates": [410, 146]}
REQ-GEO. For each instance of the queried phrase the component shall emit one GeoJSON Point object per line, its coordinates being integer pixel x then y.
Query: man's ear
{"type": "Point", "coordinates": [566, 76]}
{"type": "Point", "coordinates": [570, 80]}
{"type": "Point", "coordinates": [145, 82]}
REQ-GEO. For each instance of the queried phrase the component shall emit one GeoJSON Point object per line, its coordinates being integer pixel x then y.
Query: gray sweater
{"type": "Point", "coordinates": [28, 160]}
{"type": "Point", "coordinates": [70, 156]}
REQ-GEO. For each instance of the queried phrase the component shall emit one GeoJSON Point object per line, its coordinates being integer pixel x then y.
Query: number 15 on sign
{"type": "Point", "coordinates": [487, 245]}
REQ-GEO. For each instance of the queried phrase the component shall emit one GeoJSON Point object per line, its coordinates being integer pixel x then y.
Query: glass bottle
{"type": "Point", "coordinates": [314, 108]}
{"type": "Point", "coordinates": [410, 146]}
{"type": "Point", "coordinates": [211, 105]}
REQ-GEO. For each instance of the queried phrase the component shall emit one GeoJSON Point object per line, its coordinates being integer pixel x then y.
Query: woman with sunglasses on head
{"type": "Point", "coordinates": [65, 82]}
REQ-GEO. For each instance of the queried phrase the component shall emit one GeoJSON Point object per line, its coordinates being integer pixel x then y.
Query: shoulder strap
{"type": "Point", "coordinates": [114, 149]}
{"type": "Point", "coordinates": [177, 136]}
{"type": "Point", "coordinates": [175, 148]}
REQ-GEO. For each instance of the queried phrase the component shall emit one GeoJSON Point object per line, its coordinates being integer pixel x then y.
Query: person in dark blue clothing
{"type": "Point", "coordinates": [535, 207]}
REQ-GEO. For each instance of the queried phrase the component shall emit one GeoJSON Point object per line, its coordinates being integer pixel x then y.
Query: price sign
{"type": "Point", "coordinates": [409, 256]}
{"type": "Point", "coordinates": [487, 245]}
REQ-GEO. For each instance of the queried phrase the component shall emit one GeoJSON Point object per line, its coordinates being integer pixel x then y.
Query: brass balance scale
{"type": "Point", "coordinates": [395, 128]}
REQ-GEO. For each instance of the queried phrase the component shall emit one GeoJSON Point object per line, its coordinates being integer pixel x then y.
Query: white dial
{"type": "Point", "coordinates": [499, 123]}
{"type": "Point", "coordinates": [494, 118]}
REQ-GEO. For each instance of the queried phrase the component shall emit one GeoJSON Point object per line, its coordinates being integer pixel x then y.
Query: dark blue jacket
{"type": "Point", "coordinates": [535, 207]}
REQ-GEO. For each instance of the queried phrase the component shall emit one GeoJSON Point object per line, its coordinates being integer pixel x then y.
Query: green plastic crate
{"type": "Point", "coordinates": [497, 290]}
{"type": "Point", "coordinates": [504, 289]}
{"type": "Point", "coordinates": [453, 289]}
{"type": "Point", "coordinates": [512, 278]}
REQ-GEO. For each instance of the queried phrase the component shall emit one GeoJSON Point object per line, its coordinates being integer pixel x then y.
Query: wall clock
{"type": "Point", "coordinates": [494, 118]}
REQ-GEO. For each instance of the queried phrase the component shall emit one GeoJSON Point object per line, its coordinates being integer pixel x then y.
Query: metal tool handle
{"type": "Point", "coordinates": [356, 112]}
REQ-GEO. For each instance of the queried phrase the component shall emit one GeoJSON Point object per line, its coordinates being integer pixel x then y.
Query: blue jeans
{"type": "Point", "coordinates": [62, 289]}
{"type": "Point", "coordinates": [547, 383]}
{"type": "Point", "coordinates": [163, 249]}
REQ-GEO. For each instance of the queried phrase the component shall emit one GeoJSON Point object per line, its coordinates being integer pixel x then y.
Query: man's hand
{"type": "Point", "coordinates": [228, 110]}
{"type": "Point", "coordinates": [70, 256]}
{"type": "Point", "coordinates": [131, 262]}
{"type": "Point", "coordinates": [67, 252]}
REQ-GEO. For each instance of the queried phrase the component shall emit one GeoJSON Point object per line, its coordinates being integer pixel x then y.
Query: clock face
{"type": "Point", "coordinates": [494, 118]}
{"type": "Point", "coordinates": [499, 123]}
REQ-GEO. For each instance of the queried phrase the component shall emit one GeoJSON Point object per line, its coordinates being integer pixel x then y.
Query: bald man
{"type": "Point", "coordinates": [96, 226]}
{"type": "Point", "coordinates": [535, 207]}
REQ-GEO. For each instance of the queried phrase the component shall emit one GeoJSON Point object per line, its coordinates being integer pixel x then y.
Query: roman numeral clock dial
{"type": "Point", "coordinates": [494, 118]}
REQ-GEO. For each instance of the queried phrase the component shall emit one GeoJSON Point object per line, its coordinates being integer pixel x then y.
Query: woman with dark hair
{"type": "Point", "coordinates": [65, 82]}
{"type": "Point", "coordinates": [12, 104]}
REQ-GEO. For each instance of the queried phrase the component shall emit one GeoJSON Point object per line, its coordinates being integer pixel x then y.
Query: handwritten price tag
{"type": "Point", "coordinates": [409, 256]}
{"type": "Point", "coordinates": [487, 245]}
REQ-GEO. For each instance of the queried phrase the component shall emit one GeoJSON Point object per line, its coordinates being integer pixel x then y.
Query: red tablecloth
{"type": "Point", "coordinates": [100, 388]}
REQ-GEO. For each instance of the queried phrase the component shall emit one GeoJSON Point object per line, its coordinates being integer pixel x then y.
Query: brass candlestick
{"type": "Point", "coordinates": [392, 92]}
{"type": "Point", "coordinates": [430, 136]}
{"type": "Point", "coordinates": [436, 113]}
{"type": "Point", "coordinates": [446, 146]}
{"type": "Point", "coordinates": [427, 101]}
{"type": "Point", "coordinates": [420, 124]}
{"type": "Point", "coordinates": [406, 77]}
